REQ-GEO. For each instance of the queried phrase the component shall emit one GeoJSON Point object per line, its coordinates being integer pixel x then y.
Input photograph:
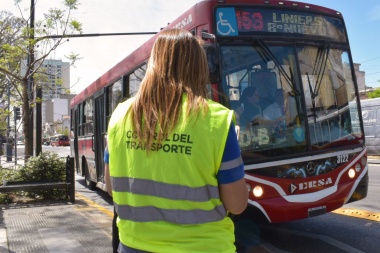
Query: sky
{"type": "Point", "coordinates": [99, 54]}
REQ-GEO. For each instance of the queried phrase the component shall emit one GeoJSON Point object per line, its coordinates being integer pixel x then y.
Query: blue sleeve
{"type": "Point", "coordinates": [106, 157]}
{"type": "Point", "coordinates": [232, 167]}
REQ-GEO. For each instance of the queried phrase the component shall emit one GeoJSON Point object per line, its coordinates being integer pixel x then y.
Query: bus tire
{"type": "Point", "coordinates": [89, 184]}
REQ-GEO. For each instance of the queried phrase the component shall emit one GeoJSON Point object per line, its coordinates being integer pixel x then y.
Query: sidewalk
{"type": "Point", "coordinates": [55, 227]}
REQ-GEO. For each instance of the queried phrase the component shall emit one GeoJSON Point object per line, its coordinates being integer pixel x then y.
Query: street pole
{"type": "Point", "coordinates": [15, 141]}
{"type": "Point", "coordinates": [37, 95]}
{"type": "Point", "coordinates": [8, 144]}
{"type": "Point", "coordinates": [30, 78]}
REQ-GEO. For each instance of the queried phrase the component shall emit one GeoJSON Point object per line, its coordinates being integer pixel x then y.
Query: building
{"type": "Point", "coordinates": [56, 115]}
{"type": "Point", "coordinates": [360, 78]}
{"type": "Point", "coordinates": [58, 79]}
{"type": "Point", "coordinates": [55, 109]}
{"type": "Point", "coordinates": [56, 87]}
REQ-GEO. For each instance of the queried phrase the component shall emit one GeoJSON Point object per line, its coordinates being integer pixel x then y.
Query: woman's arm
{"type": "Point", "coordinates": [234, 196]}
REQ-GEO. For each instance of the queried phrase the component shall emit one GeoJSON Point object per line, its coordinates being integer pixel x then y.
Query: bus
{"type": "Point", "coordinates": [371, 121]}
{"type": "Point", "coordinates": [59, 140]}
{"type": "Point", "coordinates": [311, 161]}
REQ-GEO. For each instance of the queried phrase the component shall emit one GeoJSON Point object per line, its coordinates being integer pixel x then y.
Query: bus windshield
{"type": "Point", "coordinates": [289, 100]}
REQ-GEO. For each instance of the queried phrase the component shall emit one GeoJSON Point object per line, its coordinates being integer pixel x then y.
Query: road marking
{"type": "Point", "coordinates": [358, 213]}
{"type": "Point", "coordinates": [92, 205]}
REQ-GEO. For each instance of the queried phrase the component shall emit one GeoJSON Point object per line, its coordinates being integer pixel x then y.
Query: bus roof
{"type": "Point", "coordinates": [199, 13]}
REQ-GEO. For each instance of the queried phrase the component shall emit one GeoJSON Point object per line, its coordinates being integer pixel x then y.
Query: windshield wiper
{"type": "Point", "coordinates": [320, 64]}
{"type": "Point", "coordinates": [313, 95]}
{"type": "Point", "coordinates": [268, 53]}
{"type": "Point", "coordinates": [319, 71]}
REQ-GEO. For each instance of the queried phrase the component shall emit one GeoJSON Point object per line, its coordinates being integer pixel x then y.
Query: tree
{"type": "Point", "coordinates": [9, 26]}
{"type": "Point", "coordinates": [21, 38]}
{"type": "Point", "coordinates": [374, 94]}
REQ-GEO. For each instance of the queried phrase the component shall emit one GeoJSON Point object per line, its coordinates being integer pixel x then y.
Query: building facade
{"type": "Point", "coordinates": [56, 97]}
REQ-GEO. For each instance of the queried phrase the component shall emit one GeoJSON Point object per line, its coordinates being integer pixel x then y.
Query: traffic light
{"type": "Point", "coordinates": [17, 112]}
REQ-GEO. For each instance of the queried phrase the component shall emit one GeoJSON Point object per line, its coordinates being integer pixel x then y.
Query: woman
{"type": "Point", "coordinates": [175, 163]}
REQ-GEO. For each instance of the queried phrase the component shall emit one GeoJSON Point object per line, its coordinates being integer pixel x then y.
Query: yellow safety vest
{"type": "Point", "coordinates": [168, 201]}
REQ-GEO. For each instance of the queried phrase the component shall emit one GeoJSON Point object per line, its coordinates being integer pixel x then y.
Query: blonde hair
{"type": "Point", "coordinates": [177, 65]}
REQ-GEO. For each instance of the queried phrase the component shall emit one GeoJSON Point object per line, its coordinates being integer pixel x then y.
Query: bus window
{"type": "Point", "coordinates": [87, 117]}
{"type": "Point", "coordinates": [135, 79]}
{"type": "Point", "coordinates": [115, 94]}
{"type": "Point", "coordinates": [328, 95]}
{"type": "Point", "coordinates": [245, 71]}
{"type": "Point", "coordinates": [81, 120]}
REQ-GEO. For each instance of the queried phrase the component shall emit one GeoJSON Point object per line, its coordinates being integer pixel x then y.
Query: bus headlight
{"type": "Point", "coordinates": [358, 167]}
{"type": "Point", "coordinates": [351, 173]}
{"type": "Point", "coordinates": [258, 191]}
{"type": "Point", "coordinates": [364, 161]}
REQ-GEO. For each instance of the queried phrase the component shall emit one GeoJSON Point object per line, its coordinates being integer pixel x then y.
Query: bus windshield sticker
{"type": "Point", "coordinates": [226, 24]}
{"type": "Point", "coordinates": [243, 21]}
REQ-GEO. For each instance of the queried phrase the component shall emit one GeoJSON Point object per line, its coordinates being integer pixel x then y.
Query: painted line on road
{"type": "Point", "coordinates": [358, 213]}
{"type": "Point", "coordinates": [92, 205]}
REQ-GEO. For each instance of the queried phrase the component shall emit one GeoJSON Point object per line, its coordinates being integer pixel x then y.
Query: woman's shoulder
{"type": "Point", "coordinates": [216, 105]}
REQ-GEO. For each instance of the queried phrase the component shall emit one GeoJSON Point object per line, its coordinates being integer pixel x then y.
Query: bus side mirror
{"type": "Point", "coordinates": [213, 62]}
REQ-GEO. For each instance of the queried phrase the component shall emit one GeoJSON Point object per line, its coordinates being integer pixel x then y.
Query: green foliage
{"type": "Point", "coordinates": [76, 26]}
{"type": "Point", "coordinates": [374, 94]}
{"type": "Point", "coordinates": [45, 167]}
{"type": "Point", "coordinates": [6, 174]}
{"type": "Point", "coordinates": [18, 41]}
{"type": "Point", "coordinates": [3, 122]}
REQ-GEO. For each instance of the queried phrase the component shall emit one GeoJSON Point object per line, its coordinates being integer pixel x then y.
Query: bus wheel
{"type": "Point", "coordinates": [90, 184]}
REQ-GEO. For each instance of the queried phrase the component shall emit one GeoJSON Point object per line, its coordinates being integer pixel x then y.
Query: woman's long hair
{"type": "Point", "coordinates": [177, 64]}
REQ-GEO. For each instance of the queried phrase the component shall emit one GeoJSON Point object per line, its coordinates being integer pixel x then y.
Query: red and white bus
{"type": "Point", "coordinates": [310, 162]}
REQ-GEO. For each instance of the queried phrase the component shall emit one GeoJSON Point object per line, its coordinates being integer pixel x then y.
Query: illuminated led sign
{"type": "Point", "coordinates": [234, 21]}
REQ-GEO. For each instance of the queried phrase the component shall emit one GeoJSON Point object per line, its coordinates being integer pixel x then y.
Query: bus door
{"type": "Point", "coordinates": [74, 147]}
{"type": "Point", "coordinates": [99, 134]}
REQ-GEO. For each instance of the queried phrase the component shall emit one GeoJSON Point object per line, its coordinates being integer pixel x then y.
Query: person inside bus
{"type": "Point", "coordinates": [275, 111]}
{"type": "Point", "coordinates": [115, 231]}
{"type": "Point", "coordinates": [175, 162]}
{"type": "Point", "coordinates": [250, 111]}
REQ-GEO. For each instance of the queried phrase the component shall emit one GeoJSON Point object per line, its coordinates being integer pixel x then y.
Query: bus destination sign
{"type": "Point", "coordinates": [232, 21]}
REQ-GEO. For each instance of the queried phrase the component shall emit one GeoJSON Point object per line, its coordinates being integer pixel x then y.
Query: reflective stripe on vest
{"type": "Point", "coordinates": [168, 191]}
{"type": "Point", "coordinates": [162, 190]}
{"type": "Point", "coordinates": [184, 217]}
{"type": "Point", "coordinates": [231, 164]}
